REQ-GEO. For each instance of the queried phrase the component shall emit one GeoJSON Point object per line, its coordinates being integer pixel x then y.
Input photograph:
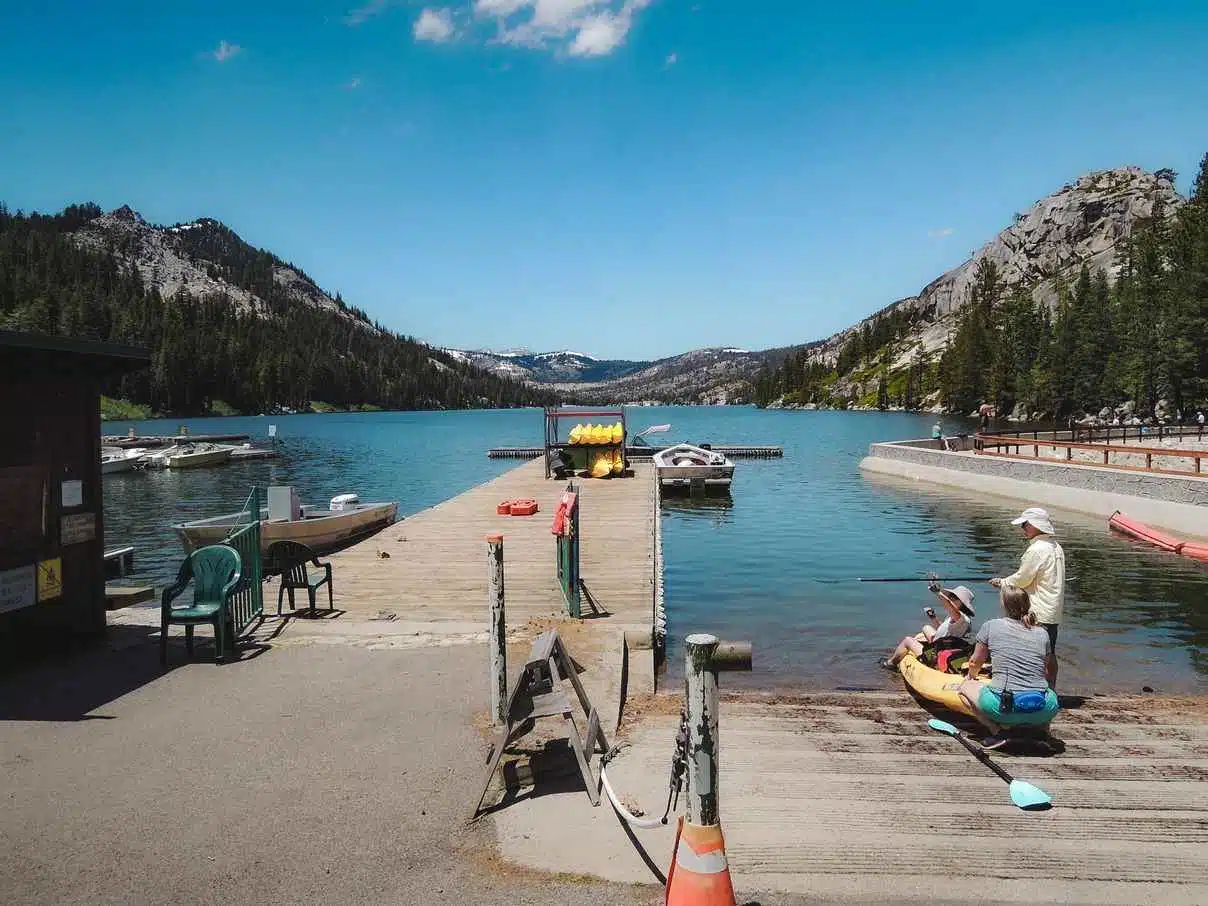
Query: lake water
{"type": "Point", "coordinates": [774, 563]}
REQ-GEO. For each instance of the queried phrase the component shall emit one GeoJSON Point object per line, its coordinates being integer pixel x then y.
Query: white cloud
{"type": "Point", "coordinates": [598, 36]}
{"type": "Point", "coordinates": [499, 8]}
{"type": "Point", "coordinates": [943, 233]}
{"type": "Point", "coordinates": [366, 11]}
{"type": "Point", "coordinates": [434, 25]}
{"type": "Point", "coordinates": [672, 59]}
{"type": "Point", "coordinates": [583, 28]}
{"type": "Point", "coordinates": [225, 50]}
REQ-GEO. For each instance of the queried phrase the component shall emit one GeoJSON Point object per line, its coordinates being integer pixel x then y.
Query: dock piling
{"type": "Point", "coordinates": [498, 645]}
{"type": "Point", "coordinates": [705, 656]}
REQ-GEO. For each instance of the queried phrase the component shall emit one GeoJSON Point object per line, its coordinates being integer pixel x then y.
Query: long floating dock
{"type": "Point", "coordinates": [737, 451]}
{"type": "Point", "coordinates": [167, 440]}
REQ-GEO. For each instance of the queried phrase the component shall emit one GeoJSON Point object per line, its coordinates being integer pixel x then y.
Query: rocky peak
{"type": "Point", "coordinates": [127, 214]}
{"type": "Point", "coordinates": [1083, 222]}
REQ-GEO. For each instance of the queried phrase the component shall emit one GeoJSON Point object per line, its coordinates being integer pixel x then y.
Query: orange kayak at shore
{"type": "Point", "coordinates": [1142, 532]}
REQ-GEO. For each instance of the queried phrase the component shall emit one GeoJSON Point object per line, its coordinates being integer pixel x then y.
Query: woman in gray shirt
{"type": "Point", "coordinates": [1021, 657]}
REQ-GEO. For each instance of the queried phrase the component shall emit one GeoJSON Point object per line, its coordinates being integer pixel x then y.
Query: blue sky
{"type": "Point", "coordinates": [628, 178]}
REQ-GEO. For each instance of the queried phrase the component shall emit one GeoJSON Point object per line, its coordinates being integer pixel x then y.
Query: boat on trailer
{"type": "Point", "coordinates": [344, 521]}
{"type": "Point", "coordinates": [694, 468]}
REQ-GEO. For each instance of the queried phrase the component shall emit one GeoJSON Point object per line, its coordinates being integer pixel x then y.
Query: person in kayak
{"type": "Point", "coordinates": [1020, 693]}
{"type": "Point", "coordinates": [1041, 574]}
{"type": "Point", "coordinates": [958, 603]}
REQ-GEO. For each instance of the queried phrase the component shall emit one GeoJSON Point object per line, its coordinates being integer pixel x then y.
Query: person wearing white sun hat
{"type": "Point", "coordinates": [1041, 573]}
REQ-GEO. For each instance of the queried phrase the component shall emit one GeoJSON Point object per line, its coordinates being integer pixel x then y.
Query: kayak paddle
{"type": "Point", "coordinates": [1023, 794]}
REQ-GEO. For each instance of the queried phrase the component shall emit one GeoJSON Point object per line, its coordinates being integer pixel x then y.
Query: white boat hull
{"type": "Point", "coordinates": [199, 459]}
{"type": "Point", "coordinates": [688, 466]}
{"type": "Point", "coordinates": [111, 465]}
{"type": "Point", "coordinates": [320, 530]}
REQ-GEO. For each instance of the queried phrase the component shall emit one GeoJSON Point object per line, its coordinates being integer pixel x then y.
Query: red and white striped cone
{"type": "Point", "coordinates": [699, 873]}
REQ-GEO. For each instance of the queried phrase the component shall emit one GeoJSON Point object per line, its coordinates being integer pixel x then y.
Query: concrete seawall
{"type": "Point", "coordinates": [1171, 502]}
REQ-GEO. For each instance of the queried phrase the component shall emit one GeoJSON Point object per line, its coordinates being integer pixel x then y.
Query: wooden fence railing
{"type": "Point", "coordinates": [1109, 433]}
{"type": "Point", "coordinates": [1007, 446]}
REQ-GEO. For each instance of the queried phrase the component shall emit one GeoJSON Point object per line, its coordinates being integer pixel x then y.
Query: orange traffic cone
{"type": "Point", "coordinates": [699, 874]}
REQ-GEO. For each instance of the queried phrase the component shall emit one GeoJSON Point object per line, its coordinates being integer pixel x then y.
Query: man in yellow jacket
{"type": "Point", "coordinates": [1041, 573]}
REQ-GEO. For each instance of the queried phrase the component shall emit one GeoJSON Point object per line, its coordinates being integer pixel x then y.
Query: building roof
{"type": "Point", "coordinates": [28, 354]}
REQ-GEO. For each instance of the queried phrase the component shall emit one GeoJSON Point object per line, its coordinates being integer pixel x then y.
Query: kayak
{"type": "Point", "coordinates": [1195, 551]}
{"type": "Point", "coordinates": [1143, 532]}
{"type": "Point", "coordinates": [935, 686]}
{"type": "Point", "coordinates": [1159, 539]}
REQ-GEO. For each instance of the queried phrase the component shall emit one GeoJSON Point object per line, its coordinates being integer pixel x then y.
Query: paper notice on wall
{"type": "Point", "coordinates": [73, 494]}
{"type": "Point", "coordinates": [77, 529]}
{"type": "Point", "coordinates": [18, 588]}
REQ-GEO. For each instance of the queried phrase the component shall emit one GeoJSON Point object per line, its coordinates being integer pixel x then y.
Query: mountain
{"type": "Point", "coordinates": [1083, 222]}
{"type": "Point", "coordinates": [230, 326]}
{"type": "Point", "coordinates": [720, 375]}
{"type": "Point", "coordinates": [1090, 299]}
{"type": "Point", "coordinates": [701, 376]}
{"type": "Point", "coordinates": [548, 367]}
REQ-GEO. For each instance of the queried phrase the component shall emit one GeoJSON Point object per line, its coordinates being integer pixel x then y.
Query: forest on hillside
{"type": "Point", "coordinates": [1142, 340]}
{"type": "Point", "coordinates": [205, 350]}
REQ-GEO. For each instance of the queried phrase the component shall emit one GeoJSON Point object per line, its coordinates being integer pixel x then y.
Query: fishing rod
{"type": "Point", "coordinates": [914, 579]}
{"type": "Point", "coordinates": [920, 579]}
{"type": "Point", "coordinates": [905, 579]}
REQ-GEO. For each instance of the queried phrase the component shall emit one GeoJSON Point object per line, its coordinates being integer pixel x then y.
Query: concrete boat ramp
{"type": "Point", "coordinates": [335, 760]}
{"type": "Point", "coordinates": [850, 797]}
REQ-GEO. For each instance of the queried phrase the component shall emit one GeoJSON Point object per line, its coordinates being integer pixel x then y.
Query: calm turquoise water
{"type": "Point", "coordinates": [773, 563]}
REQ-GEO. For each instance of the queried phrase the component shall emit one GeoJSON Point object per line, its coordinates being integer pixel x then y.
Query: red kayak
{"type": "Point", "coordinates": [1141, 531]}
{"type": "Point", "coordinates": [1195, 551]}
{"type": "Point", "coordinates": [1134, 529]}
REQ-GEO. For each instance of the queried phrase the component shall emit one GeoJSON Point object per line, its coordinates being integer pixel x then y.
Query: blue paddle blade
{"type": "Point", "coordinates": [1026, 796]}
{"type": "Point", "coordinates": [943, 726]}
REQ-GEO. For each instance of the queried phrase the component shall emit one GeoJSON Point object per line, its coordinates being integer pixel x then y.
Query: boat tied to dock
{"type": "Point", "coordinates": [689, 466]}
{"type": "Point", "coordinates": [285, 519]}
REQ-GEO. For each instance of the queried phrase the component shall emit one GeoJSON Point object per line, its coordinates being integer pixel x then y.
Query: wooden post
{"type": "Point", "coordinates": [700, 678]}
{"type": "Point", "coordinates": [498, 645]}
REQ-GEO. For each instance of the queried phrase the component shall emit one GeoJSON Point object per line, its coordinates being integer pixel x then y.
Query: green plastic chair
{"type": "Point", "coordinates": [216, 573]}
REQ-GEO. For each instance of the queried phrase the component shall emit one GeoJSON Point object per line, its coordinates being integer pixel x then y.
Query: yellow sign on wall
{"type": "Point", "coordinates": [50, 579]}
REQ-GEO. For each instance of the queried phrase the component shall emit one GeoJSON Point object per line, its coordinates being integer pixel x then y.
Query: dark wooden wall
{"type": "Point", "coordinates": [53, 423]}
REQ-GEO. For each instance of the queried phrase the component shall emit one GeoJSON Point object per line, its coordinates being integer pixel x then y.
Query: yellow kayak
{"type": "Point", "coordinates": [935, 685]}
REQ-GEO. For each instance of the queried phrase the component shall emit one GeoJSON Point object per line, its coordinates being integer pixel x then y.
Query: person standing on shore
{"type": "Point", "coordinates": [1041, 574]}
{"type": "Point", "coordinates": [985, 410]}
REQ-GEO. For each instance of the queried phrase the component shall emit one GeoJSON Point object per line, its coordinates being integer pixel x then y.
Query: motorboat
{"type": "Point", "coordinates": [196, 456]}
{"type": "Point", "coordinates": [689, 466]}
{"type": "Point", "coordinates": [114, 460]}
{"type": "Point", "coordinates": [188, 456]}
{"type": "Point", "coordinates": [344, 520]}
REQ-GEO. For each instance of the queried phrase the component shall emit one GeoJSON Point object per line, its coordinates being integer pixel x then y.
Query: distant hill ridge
{"type": "Point", "coordinates": [230, 326]}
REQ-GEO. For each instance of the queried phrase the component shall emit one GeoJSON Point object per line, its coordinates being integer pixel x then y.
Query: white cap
{"type": "Point", "coordinates": [1037, 518]}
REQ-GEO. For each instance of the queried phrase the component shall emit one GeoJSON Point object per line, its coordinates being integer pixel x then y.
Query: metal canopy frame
{"type": "Point", "coordinates": [554, 414]}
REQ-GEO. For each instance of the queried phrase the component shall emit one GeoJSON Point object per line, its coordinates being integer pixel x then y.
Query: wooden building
{"type": "Point", "coordinates": [51, 521]}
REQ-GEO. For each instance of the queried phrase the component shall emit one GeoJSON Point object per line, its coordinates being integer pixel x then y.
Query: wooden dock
{"type": "Point", "coordinates": [428, 573]}
{"type": "Point", "coordinates": [435, 568]}
{"type": "Point", "coordinates": [168, 440]}
{"type": "Point", "coordinates": [734, 451]}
